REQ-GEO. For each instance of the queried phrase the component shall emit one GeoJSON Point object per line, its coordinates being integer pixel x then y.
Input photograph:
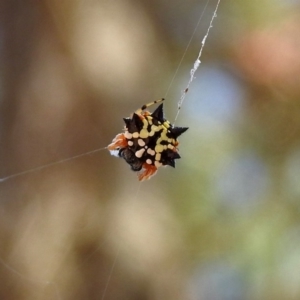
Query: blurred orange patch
{"type": "Point", "coordinates": [271, 55]}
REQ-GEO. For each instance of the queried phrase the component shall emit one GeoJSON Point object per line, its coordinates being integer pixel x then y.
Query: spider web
{"type": "Point", "coordinates": [180, 103]}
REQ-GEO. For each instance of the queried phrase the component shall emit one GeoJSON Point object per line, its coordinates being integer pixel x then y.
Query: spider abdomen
{"type": "Point", "coordinates": [148, 142]}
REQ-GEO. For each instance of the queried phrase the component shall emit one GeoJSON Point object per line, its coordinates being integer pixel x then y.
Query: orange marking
{"type": "Point", "coordinates": [147, 172]}
{"type": "Point", "coordinates": [118, 142]}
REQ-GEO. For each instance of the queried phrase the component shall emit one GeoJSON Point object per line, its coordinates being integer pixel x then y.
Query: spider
{"type": "Point", "coordinates": [149, 141]}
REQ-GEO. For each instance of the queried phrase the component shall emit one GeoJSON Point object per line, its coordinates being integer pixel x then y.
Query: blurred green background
{"type": "Point", "coordinates": [224, 225]}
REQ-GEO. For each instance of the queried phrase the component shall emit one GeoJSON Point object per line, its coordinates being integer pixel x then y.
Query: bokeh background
{"type": "Point", "coordinates": [224, 225]}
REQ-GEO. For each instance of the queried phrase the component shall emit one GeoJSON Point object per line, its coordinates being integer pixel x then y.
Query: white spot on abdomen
{"type": "Point", "coordinates": [140, 153]}
{"type": "Point", "coordinates": [128, 135]}
{"type": "Point", "coordinates": [141, 142]}
{"type": "Point", "coordinates": [151, 151]}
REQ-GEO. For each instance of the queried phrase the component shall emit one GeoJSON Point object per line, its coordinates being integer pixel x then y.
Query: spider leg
{"type": "Point", "coordinates": [147, 172]}
{"type": "Point", "coordinates": [139, 111]}
{"type": "Point", "coordinates": [118, 142]}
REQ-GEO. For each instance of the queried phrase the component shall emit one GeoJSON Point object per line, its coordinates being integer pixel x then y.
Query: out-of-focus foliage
{"type": "Point", "coordinates": [223, 225]}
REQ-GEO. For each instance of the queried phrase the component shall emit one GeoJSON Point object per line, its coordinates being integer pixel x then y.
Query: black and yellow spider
{"type": "Point", "coordinates": [148, 142]}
